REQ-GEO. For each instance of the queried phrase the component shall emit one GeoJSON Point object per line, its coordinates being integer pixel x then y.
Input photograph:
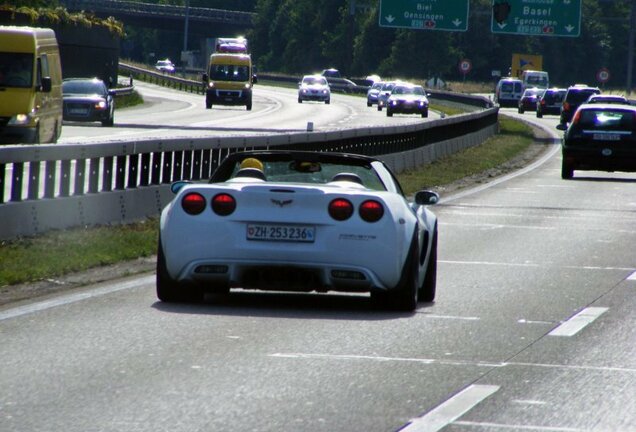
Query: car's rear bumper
{"type": "Point", "coordinates": [279, 276]}
{"type": "Point", "coordinates": [602, 158]}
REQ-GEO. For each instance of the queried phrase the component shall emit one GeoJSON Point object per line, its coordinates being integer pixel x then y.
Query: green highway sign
{"type": "Point", "coordinates": [448, 15]}
{"type": "Point", "coordinates": [537, 17]}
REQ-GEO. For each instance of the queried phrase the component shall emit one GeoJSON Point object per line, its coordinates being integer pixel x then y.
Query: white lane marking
{"type": "Point", "coordinates": [578, 322]}
{"type": "Point", "coordinates": [499, 226]}
{"type": "Point", "coordinates": [451, 317]}
{"type": "Point", "coordinates": [451, 362]}
{"type": "Point", "coordinates": [514, 427]}
{"type": "Point", "coordinates": [505, 264]}
{"type": "Point", "coordinates": [72, 298]}
{"type": "Point", "coordinates": [632, 276]}
{"type": "Point", "coordinates": [556, 147]}
{"type": "Point", "coordinates": [451, 410]}
{"type": "Point", "coordinates": [384, 359]}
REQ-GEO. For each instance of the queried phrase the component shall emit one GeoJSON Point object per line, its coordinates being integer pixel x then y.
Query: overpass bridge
{"type": "Point", "coordinates": [201, 21]}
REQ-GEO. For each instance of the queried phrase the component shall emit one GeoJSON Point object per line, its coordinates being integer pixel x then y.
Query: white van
{"type": "Point", "coordinates": [508, 92]}
{"type": "Point", "coordinates": [532, 78]}
{"type": "Point", "coordinates": [30, 86]}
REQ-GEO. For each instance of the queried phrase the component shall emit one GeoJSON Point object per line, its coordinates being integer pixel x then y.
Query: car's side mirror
{"type": "Point", "coordinates": [561, 126]}
{"type": "Point", "coordinates": [46, 84]}
{"type": "Point", "coordinates": [176, 186]}
{"type": "Point", "coordinates": [425, 197]}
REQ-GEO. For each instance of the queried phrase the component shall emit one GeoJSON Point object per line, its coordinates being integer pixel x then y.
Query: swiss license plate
{"type": "Point", "coordinates": [606, 137]}
{"type": "Point", "coordinates": [290, 233]}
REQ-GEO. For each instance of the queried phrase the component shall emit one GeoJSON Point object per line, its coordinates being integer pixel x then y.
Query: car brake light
{"type": "Point", "coordinates": [576, 117]}
{"type": "Point", "coordinates": [371, 211]}
{"type": "Point", "coordinates": [193, 203]}
{"type": "Point", "coordinates": [566, 106]}
{"type": "Point", "coordinates": [223, 204]}
{"type": "Point", "coordinates": [340, 209]}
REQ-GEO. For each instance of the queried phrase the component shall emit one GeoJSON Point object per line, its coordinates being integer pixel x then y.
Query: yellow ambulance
{"type": "Point", "coordinates": [30, 86]}
{"type": "Point", "coordinates": [229, 80]}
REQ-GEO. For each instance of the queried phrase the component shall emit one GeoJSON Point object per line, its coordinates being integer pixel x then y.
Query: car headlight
{"type": "Point", "coordinates": [394, 103]}
{"type": "Point", "coordinates": [324, 92]}
{"type": "Point", "coordinates": [100, 105]}
{"type": "Point", "coordinates": [210, 84]}
{"type": "Point", "coordinates": [20, 120]}
{"type": "Point", "coordinates": [247, 85]}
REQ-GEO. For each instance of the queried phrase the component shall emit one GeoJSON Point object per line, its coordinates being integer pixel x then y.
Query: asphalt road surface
{"type": "Point", "coordinates": [533, 329]}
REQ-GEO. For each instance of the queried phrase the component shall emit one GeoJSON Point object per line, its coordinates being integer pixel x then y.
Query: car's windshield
{"type": "Point", "coordinates": [83, 87]}
{"type": "Point", "coordinates": [16, 70]}
{"type": "Point", "coordinates": [579, 96]}
{"type": "Point", "coordinates": [314, 81]}
{"type": "Point", "coordinates": [229, 72]}
{"type": "Point", "coordinates": [408, 90]}
{"type": "Point", "coordinates": [314, 172]}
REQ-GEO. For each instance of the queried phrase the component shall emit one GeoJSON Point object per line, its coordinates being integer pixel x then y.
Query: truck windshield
{"type": "Point", "coordinates": [16, 70]}
{"type": "Point", "coordinates": [229, 73]}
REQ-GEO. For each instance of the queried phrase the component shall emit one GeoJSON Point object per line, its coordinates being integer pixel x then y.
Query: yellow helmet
{"type": "Point", "coordinates": [252, 163]}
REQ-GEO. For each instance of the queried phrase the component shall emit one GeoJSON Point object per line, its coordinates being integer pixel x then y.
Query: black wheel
{"type": "Point", "coordinates": [389, 113]}
{"type": "Point", "coordinates": [248, 106]}
{"type": "Point", "coordinates": [369, 104]}
{"type": "Point", "coordinates": [567, 171]}
{"type": "Point", "coordinates": [208, 102]}
{"type": "Point", "coordinates": [328, 101]}
{"type": "Point", "coordinates": [109, 122]}
{"type": "Point", "coordinates": [300, 100]}
{"type": "Point", "coordinates": [402, 297]}
{"type": "Point", "coordinates": [425, 113]}
{"type": "Point", "coordinates": [427, 290]}
{"type": "Point", "coordinates": [520, 110]}
{"type": "Point", "coordinates": [539, 114]}
{"type": "Point", "coordinates": [379, 107]}
{"type": "Point", "coordinates": [169, 290]}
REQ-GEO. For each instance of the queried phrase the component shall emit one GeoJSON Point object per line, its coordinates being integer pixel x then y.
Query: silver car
{"type": "Point", "coordinates": [314, 88]}
{"type": "Point", "coordinates": [373, 92]}
{"type": "Point", "coordinates": [384, 94]}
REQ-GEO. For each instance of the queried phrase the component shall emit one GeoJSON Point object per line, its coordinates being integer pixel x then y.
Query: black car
{"type": "Point", "coordinates": [407, 99]}
{"type": "Point", "coordinates": [550, 102]}
{"type": "Point", "coordinates": [88, 100]}
{"type": "Point", "coordinates": [600, 137]}
{"type": "Point", "coordinates": [574, 97]}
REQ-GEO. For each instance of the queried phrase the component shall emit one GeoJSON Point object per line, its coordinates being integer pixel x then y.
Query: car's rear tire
{"type": "Point", "coordinates": [567, 171]}
{"type": "Point", "coordinates": [402, 297]}
{"type": "Point", "coordinates": [429, 286]}
{"type": "Point", "coordinates": [169, 290]}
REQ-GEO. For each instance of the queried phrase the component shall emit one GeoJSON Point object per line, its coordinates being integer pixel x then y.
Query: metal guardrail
{"type": "Point", "coordinates": [159, 10]}
{"type": "Point", "coordinates": [58, 186]}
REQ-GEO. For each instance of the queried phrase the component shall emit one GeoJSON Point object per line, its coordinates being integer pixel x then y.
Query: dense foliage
{"type": "Point", "coordinates": [295, 36]}
{"type": "Point", "coordinates": [300, 36]}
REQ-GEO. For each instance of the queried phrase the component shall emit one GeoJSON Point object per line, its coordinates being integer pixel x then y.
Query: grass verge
{"type": "Point", "coordinates": [62, 252]}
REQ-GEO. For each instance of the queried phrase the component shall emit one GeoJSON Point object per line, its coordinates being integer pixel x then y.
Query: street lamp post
{"type": "Point", "coordinates": [187, 20]}
{"type": "Point", "coordinates": [630, 49]}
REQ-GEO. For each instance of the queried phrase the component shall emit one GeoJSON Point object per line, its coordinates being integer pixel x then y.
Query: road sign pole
{"type": "Point", "coordinates": [630, 49]}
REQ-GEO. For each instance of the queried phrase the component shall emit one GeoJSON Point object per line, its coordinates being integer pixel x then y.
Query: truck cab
{"type": "Point", "coordinates": [229, 80]}
{"type": "Point", "coordinates": [30, 86]}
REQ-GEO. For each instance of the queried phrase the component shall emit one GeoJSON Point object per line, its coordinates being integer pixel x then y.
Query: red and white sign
{"type": "Point", "coordinates": [465, 66]}
{"type": "Point", "coordinates": [603, 75]}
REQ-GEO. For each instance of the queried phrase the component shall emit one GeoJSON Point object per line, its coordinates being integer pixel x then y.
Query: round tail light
{"type": "Point", "coordinates": [371, 211]}
{"type": "Point", "coordinates": [223, 204]}
{"type": "Point", "coordinates": [340, 209]}
{"type": "Point", "coordinates": [193, 203]}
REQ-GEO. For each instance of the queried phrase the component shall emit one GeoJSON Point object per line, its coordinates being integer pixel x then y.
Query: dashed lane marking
{"type": "Point", "coordinates": [578, 322]}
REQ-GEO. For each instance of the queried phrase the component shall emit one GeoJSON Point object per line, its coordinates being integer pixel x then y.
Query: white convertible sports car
{"type": "Point", "coordinates": [299, 221]}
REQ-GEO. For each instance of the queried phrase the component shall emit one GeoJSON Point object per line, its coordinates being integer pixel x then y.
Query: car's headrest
{"type": "Point", "coordinates": [350, 177]}
{"type": "Point", "coordinates": [251, 173]}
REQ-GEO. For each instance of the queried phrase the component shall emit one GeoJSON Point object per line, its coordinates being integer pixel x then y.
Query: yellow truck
{"type": "Point", "coordinates": [30, 86]}
{"type": "Point", "coordinates": [229, 80]}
